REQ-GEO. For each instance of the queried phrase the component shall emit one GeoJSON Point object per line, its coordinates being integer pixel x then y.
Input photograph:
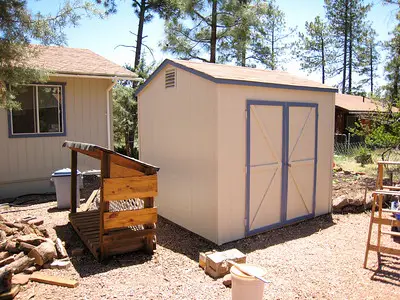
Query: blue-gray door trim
{"type": "Point", "coordinates": [285, 164]}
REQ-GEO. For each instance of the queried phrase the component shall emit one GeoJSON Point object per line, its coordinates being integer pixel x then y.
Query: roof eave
{"type": "Point", "coordinates": [230, 81]}
{"type": "Point", "coordinates": [97, 76]}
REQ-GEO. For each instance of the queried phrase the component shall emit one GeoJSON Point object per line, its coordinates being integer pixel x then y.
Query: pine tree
{"type": "Point", "coordinates": [18, 27]}
{"type": "Point", "coordinates": [392, 68]}
{"type": "Point", "coordinates": [268, 45]}
{"type": "Point", "coordinates": [314, 48]}
{"type": "Point", "coordinates": [347, 20]}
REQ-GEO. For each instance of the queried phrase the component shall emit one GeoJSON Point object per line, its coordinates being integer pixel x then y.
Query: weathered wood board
{"type": "Point", "coordinates": [130, 187]}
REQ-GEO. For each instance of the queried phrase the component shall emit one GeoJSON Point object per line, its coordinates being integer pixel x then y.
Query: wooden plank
{"type": "Point", "coordinates": [383, 192]}
{"type": "Point", "coordinates": [89, 202]}
{"type": "Point", "coordinates": [105, 173]}
{"type": "Point", "coordinates": [393, 211]}
{"type": "Point", "coordinates": [385, 221]}
{"type": "Point", "coordinates": [392, 233]}
{"type": "Point", "coordinates": [130, 218]}
{"type": "Point", "coordinates": [120, 247]}
{"type": "Point", "coordinates": [71, 283]}
{"type": "Point", "coordinates": [85, 241]}
{"type": "Point", "coordinates": [388, 162]}
{"type": "Point", "coordinates": [117, 171]}
{"type": "Point", "coordinates": [74, 167]}
{"type": "Point", "coordinates": [127, 234]}
{"type": "Point", "coordinates": [396, 188]}
{"type": "Point", "coordinates": [130, 187]}
{"type": "Point", "coordinates": [384, 250]}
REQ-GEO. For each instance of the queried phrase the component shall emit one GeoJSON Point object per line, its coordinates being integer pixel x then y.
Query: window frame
{"type": "Point", "coordinates": [42, 134]}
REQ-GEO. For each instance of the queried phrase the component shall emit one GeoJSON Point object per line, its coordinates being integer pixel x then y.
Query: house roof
{"type": "Point", "coordinates": [358, 104]}
{"type": "Point", "coordinates": [75, 61]}
{"type": "Point", "coordinates": [227, 74]}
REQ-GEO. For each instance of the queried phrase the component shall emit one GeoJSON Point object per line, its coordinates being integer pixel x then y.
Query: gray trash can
{"type": "Point", "coordinates": [62, 182]}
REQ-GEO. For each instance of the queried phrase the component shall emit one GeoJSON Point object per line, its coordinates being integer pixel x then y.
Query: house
{"type": "Point", "coordinates": [240, 150]}
{"type": "Point", "coordinates": [350, 109]}
{"type": "Point", "coordinates": [75, 104]}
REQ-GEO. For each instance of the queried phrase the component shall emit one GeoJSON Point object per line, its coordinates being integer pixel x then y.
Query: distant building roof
{"type": "Point", "coordinates": [358, 104]}
{"type": "Point", "coordinates": [227, 74]}
{"type": "Point", "coordinates": [74, 61]}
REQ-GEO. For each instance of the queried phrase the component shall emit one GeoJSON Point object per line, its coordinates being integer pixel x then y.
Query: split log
{"type": "Point", "coordinates": [21, 264]}
{"type": "Point", "coordinates": [19, 255]}
{"type": "Point", "coordinates": [7, 261]}
{"type": "Point", "coordinates": [43, 253]}
{"type": "Point", "coordinates": [25, 246]}
{"type": "Point", "coordinates": [28, 230]}
{"type": "Point", "coordinates": [62, 253]}
{"type": "Point", "coordinates": [3, 245]}
{"type": "Point", "coordinates": [19, 226]}
{"type": "Point", "coordinates": [43, 231]}
{"type": "Point", "coordinates": [32, 239]}
{"type": "Point", "coordinates": [5, 280]}
{"type": "Point", "coordinates": [3, 235]}
{"type": "Point", "coordinates": [6, 229]}
{"type": "Point", "coordinates": [12, 247]}
{"type": "Point", "coordinates": [4, 255]}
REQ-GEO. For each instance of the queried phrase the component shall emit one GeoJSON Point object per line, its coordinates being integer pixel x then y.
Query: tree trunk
{"type": "Point", "coordinates": [43, 253]}
{"type": "Point", "coordinates": [350, 47]}
{"type": "Point", "coordinates": [20, 264]}
{"type": "Point", "coordinates": [5, 280]}
{"type": "Point", "coordinates": [213, 42]}
{"type": "Point", "coordinates": [139, 40]}
{"type": "Point", "coordinates": [273, 66]}
{"type": "Point", "coordinates": [323, 59]}
{"type": "Point", "coordinates": [346, 24]}
{"type": "Point", "coordinates": [371, 67]}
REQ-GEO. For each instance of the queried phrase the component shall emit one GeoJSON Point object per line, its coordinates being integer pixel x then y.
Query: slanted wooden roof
{"type": "Point", "coordinates": [228, 74]}
{"type": "Point", "coordinates": [96, 151]}
{"type": "Point", "coordinates": [76, 61]}
{"type": "Point", "coordinates": [358, 104]}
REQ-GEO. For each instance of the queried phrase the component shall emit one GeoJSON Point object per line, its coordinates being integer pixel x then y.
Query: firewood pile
{"type": "Point", "coordinates": [26, 247]}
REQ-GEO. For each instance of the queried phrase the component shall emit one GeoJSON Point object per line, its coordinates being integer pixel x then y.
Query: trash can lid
{"type": "Point", "coordinates": [64, 172]}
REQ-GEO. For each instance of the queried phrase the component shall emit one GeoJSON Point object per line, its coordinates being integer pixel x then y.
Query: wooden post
{"type": "Point", "coordinates": [105, 173]}
{"type": "Point", "coordinates": [370, 230]}
{"type": "Point", "coordinates": [74, 168]}
{"type": "Point", "coordinates": [148, 203]}
{"type": "Point", "coordinates": [379, 181]}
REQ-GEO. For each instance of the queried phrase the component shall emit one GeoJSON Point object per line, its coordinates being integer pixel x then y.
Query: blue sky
{"type": "Point", "coordinates": [103, 35]}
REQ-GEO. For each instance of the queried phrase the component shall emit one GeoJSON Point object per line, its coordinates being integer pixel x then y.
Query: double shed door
{"type": "Point", "coordinates": [281, 163]}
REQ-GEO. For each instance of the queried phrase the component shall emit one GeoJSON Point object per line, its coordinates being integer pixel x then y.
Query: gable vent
{"type": "Point", "coordinates": [170, 78]}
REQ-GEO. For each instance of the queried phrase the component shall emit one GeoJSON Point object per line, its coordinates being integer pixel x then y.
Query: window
{"type": "Point", "coordinates": [42, 111]}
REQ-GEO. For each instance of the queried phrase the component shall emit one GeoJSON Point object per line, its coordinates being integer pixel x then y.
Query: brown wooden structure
{"type": "Point", "coordinates": [123, 178]}
{"type": "Point", "coordinates": [384, 217]}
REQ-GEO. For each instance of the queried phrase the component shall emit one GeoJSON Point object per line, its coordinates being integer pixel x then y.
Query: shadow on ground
{"type": "Point", "coordinates": [178, 239]}
{"type": "Point", "coordinates": [389, 271]}
{"type": "Point", "coordinates": [87, 265]}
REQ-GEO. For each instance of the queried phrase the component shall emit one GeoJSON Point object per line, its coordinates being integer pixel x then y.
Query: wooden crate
{"type": "Point", "coordinates": [107, 232]}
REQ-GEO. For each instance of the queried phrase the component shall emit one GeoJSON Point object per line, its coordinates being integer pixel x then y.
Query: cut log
{"type": "Point", "coordinates": [43, 231]}
{"type": "Point", "coordinates": [28, 230]}
{"type": "Point", "coordinates": [54, 280]}
{"type": "Point", "coordinates": [25, 247]}
{"type": "Point", "coordinates": [6, 229]}
{"type": "Point", "coordinates": [7, 261]}
{"type": "Point", "coordinates": [3, 245]}
{"type": "Point", "coordinates": [19, 255]}
{"type": "Point", "coordinates": [3, 236]}
{"type": "Point", "coordinates": [19, 226]}
{"type": "Point", "coordinates": [12, 247]}
{"type": "Point", "coordinates": [43, 253]}
{"type": "Point", "coordinates": [32, 239]}
{"type": "Point", "coordinates": [4, 255]}
{"type": "Point", "coordinates": [30, 270]}
{"type": "Point", "coordinates": [62, 253]}
{"type": "Point", "coordinates": [5, 280]}
{"type": "Point", "coordinates": [36, 221]}
{"type": "Point", "coordinates": [21, 264]}
{"type": "Point", "coordinates": [11, 293]}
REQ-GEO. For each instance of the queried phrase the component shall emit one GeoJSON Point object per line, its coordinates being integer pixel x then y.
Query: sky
{"type": "Point", "coordinates": [104, 35]}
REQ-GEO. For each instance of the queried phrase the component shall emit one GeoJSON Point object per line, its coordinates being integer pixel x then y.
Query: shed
{"type": "Point", "coordinates": [240, 150]}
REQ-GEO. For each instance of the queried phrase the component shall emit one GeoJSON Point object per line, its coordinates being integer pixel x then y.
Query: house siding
{"type": "Point", "coordinates": [25, 162]}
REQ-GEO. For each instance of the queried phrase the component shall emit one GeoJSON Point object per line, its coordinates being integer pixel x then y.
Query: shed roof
{"type": "Point", "coordinates": [75, 61]}
{"type": "Point", "coordinates": [227, 74]}
{"type": "Point", "coordinates": [358, 104]}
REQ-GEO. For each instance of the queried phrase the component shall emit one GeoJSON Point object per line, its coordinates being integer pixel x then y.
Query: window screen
{"type": "Point", "coordinates": [41, 110]}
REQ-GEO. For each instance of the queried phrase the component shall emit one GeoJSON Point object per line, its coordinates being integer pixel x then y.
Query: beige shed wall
{"type": "Point", "coordinates": [178, 133]}
{"type": "Point", "coordinates": [29, 160]}
{"type": "Point", "coordinates": [232, 151]}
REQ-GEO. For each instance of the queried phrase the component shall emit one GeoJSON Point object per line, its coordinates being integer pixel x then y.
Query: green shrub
{"type": "Point", "coordinates": [363, 156]}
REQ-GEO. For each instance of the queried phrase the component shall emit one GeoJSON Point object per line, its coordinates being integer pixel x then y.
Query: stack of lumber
{"type": "Point", "coordinates": [26, 248]}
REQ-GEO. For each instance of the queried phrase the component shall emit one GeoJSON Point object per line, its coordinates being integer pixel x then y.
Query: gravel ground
{"type": "Point", "coordinates": [321, 258]}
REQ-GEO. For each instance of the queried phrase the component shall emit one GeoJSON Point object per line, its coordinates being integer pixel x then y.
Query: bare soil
{"type": "Point", "coordinates": [320, 258]}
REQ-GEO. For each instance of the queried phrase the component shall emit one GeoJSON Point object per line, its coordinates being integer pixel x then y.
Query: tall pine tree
{"type": "Point", "coordinates": [392, 68]}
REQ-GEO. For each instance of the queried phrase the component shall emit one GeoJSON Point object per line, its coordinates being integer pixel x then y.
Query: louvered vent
{"type": "Point", "coordinates": [170, 78]}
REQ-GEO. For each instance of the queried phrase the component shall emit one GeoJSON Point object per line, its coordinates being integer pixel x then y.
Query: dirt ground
{"type": "Point", "coordinates": [320, 258]}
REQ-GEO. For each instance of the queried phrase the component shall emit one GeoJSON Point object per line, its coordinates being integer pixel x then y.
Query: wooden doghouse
{"type": "Point", "coordinates": [124, 180]}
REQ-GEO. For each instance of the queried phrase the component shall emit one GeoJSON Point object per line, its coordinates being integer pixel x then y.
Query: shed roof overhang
{"type": "Point", "coordinates": [230, 81]}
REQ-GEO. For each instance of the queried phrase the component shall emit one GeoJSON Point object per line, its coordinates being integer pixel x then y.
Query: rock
{"type": "Point", "coordinates": [227, 280]}
{"type": "Point", "coordinates": [339, 202]}
{"type": "Point", "coordinates": [20, 279]}
{"type": "Point", "coordinates": [78, 252]}
{"type": "Point", "coordinates": [60, 264]}
{"type": "Point", "coordinates": [347, 172]}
